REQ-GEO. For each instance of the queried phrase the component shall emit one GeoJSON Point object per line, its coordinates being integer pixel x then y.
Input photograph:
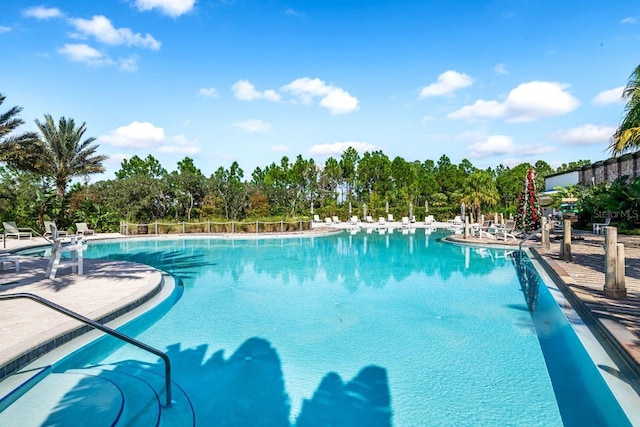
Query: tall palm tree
{"type": "Point", "coordinates": [480, 190]}
{"type": "Point", "coordinates": [12, 147]}
{"type": "Point", "coordinates": [63, 155]}
{"type": "Point", "coordinates": [627, 136]}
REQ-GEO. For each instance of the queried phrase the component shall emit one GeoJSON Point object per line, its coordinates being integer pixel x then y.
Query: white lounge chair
{"type": "Point", "coordinates": [12, 230]}
{"type": "Point", "coordinates": [429, 220]}
{"type": "Point", "coordinates": [382, 221]}
{"type": "Point", "coordinates": [598, 228]}
{"type": "Point", "coordinates": [83, 229]}
{"type": "Point", "coordinates": [369, 219]}
{"type": "Point", "coordinates": [353, 220]}
{"type": "Point", "coordinates": [405, 222]}
{"type": "Point", "coordinates": [327, 220]}
{"type": "Point", "coordinates": [316, 218]}
{"type": "Point", "coordinates": [390, 217]}
{"type": "Point", "coordinates": [335, 219]}
{"type": "Point", "coordinates": [11, 260]}
{"type": "Point", "coordinates": [49, 226]}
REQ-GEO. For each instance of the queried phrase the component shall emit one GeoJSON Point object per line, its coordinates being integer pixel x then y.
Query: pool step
{"type": "Point", "coordinates": [109, 395]}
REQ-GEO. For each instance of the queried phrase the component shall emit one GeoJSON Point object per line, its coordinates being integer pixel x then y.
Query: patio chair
{"type": "Point", "coordinates": [405, 222]}
{"type": "Point", "coordinates": [369, 219]}
{"type": "Point", "coordinates": [335, 220]}
{"type": "Point", "coordinates": [390, 217]}
{"type": "Point", "coordinates": [316, 218]}
{"type": "Point", "coordinates": [12, 261]}
{"type": "Point", "coordinates": [49, 227]}
{"type": "Point", "coordinates": [429, 220]}
{"type": "Point", "coordinates": [83, 229]}
{"type": "Point", "coordinates": [598, 228]}
{"type": "Point", "coordinates": [381, 221]}
{"type": "Point", "coordinates": [327, 220]}
{"type": "Point", "coordinates": [353, 220]}
{"type": "Point", "coordinates": [12, 230]}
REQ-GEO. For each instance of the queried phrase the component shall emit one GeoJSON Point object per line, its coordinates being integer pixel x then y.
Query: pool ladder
{"type": "Point", "coordinates": [105, 329]}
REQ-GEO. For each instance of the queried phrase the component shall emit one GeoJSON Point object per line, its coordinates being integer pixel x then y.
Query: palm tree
{"type": "Point", "coordinates": [627, 136]}
{"type": "Point", "coordinates": [12, 147]}
{"type": "Point", "coordinates": [480, 190]}
{"type": "Point", "coordinates": [62, 153]}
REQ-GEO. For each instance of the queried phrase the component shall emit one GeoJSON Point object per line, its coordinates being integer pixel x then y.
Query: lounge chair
{"type": "Point", "coordinates": [83, 229]}
{"type": "Point", "coordinates": [405, 221]}
{"type": "Point", "coordinates": [598, 228]}
{"type": "Point", "coordinates": [327, 220]}
{"type": "Point", "coordinates": [49, 226]}
{"type": "Point", "coordinates": [316, 218]}
{"type": "Point", "coordinates": [429, 220]}
{"type": "Point", "coordinates": [335, 220]}
{"type": "Point", "coordinates": [353, 220]}
{"type": "Point", "coordinates": [390, 217]}
{"type": "Point", "coordinates": [12, 230]}
{"type": "Point", "coordinates": [381, 221]}
{"type": "Point", "coordinates": [369, 219]}
{"type": "Point", "coordinates": [12, 261]}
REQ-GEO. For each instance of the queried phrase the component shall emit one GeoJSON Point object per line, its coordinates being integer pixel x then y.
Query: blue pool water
{"type": "Point", "coordinates": [396, 329]}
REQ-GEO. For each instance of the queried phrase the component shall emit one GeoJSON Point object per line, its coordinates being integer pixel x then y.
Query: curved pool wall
{"type": "Point", "coordinates": [438, 334]}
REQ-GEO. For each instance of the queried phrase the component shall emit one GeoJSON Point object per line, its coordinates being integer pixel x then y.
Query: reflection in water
{"type": "Point", "coordinates": [529, 279]}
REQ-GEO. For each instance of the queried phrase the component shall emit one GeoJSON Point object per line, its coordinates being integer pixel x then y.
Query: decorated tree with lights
{"type": "Point", "coordinates": [528, 213]}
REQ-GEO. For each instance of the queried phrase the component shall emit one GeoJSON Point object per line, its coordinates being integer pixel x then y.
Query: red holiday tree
{"type": "Point", "coordinates": [528, 213]}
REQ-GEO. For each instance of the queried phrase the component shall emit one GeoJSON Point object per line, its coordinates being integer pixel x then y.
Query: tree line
{"type": "Point", "coordinates": [36, 171]}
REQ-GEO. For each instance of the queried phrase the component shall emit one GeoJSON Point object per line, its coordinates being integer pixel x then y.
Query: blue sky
{"type": "Point", "coordinates": [497, 82]}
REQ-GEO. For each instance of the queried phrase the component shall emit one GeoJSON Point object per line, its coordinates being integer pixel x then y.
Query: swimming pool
{"type": "Point", "coordinates": [393, 329]}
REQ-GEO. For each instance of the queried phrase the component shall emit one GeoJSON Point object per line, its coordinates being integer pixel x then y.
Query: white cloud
{"type": "Point", "coordinates": [41, 12]}
{"type": "Point", "coordinates": [585, 135]}
{"type": "Point", "coordinates": [526, 103]}
{"type": "Point", "coordinates": [426, 119]}
{"type": "Point", "coordinates": [501, 69]}
{"type": "Point", "coordinates": [279, 148]}
{"type": "Point", "coordinates": [253, 126]}
{"type": "Point", "coordinates": [448, 82]}
{"type": "Point", "coordinates": [339, 101]}
{"type": "Point", "coordinates": [179, 145]}
{"type": "Point", "coordinates": [85, 54]}
{"type": "Point", "coordinates": [293, 13]}
{"type": "Point", "coordinates": [629, 20]}
{"type": "Point", "coordinates": [101, 28]}
{"type": "Point", "coordinates": [493, 145]}
{"type": "Point", "coordinates": [246, 91]}
{"type": "Point", "coordinates": [129, 64]}
{"type": "Point", "coordinates": [337, 148]}
{"type": "Point", "coordinates": [210, 92]}
{"type": "Point", "coordinates": [496, 145]}
{"type": "Point", "coordinates": [117, 158]}
{"type": "Point", "coordinates": [335, 99]}
{"type": "Point", "coordinates": [134, 135]}
{"type": "Point", "coordinates": [611, 96]}
{"type": "Point", "coordinates": [172, 8]}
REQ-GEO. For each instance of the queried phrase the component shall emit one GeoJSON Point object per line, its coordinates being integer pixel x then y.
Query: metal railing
{"type": "Point", "coordinates": [105, 329]}
{"type": "Point", "coordinates": [528, 236]}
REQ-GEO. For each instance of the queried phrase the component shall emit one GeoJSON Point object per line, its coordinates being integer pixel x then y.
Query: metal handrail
{"type": "Point", "coordinates": [106, 329]}
{"type": "Point", "coordinates": [533, 233]}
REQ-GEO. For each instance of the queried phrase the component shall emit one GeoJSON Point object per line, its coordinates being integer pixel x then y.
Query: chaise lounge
{"type": "Point", "coordinates": [83, 229]}
{"type": "Point", "coordinates": [12, 230]}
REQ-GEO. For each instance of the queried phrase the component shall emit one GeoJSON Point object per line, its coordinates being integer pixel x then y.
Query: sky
{"type": "Point", "coordinates": [495, 81]}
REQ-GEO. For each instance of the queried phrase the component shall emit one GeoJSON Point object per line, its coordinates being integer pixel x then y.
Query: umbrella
{"type": "Point", "coordinates": [386, 207]}
{"type": "Point", "coordinates": [311, 208]}
{"type": "Point", "coordinates": [410, 210]}
{"type": "Point", "coordinates": [349, 208]}
{"type": "Point", "coordinates": [462, 208]}
{"type": "Point", "coordinates": [426, 207]}
{"type": "Point", "coordinates": [364, 211]}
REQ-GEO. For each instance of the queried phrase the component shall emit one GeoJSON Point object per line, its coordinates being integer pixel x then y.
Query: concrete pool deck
{"type": "Point", "coordinates": [109, 286]}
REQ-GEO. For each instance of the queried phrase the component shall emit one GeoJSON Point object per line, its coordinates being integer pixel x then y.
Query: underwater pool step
{"type": "Point", "coordinates": [66, 399]}
{"type": "Point", "coordinates": [110, 395]}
